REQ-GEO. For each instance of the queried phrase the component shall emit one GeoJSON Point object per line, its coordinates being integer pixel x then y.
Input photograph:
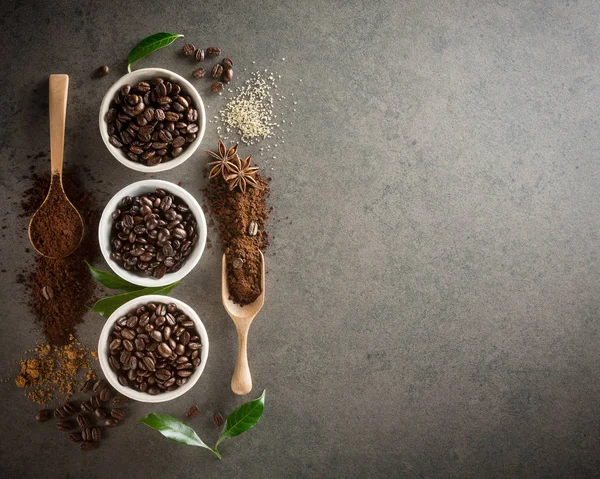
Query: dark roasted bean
{"type": "Point", "coordinates": [96, 434]}
{"type": "Point", "coordinates": [120, 400]}
{"type": "Point", "coordinates": [228, 75]}
{"type": "Point", "coordinates": [87, 446]}
{"type": "Point", "coordinates": [111, 422]}
{"type": "Point", "coordinates": [192, 411]}
{"type": "Point", "coordinates": [64, 425]}
{"type": "Point", "coordinates": [118, 414]}
{"type": "Point", "coordinates": [189, 49]}
{"type": "Point", "coordinates": [99, 385]}
{"type": "Point", "coordinates": [86, 406]}
{"type": "Point", "coordinates": [95, 401]}
{"type": "Point", "coordinates": [213, 51]}
{"type": "Point", "coordinates": [100, 413]}
{"type": "Point", "coordinates": [218, 419]}
{"type": "Point", "coordinates": [217, 87]}
{"type": "Point", "coordinates": [83, 421]}
{"type": "Point", "coordinates": [199, 54]}
{"type": "Point", "coordinates": [216, 71]}
{"type": "Point", "coordinates": [75, 437]}
{"type": "Point", "coordinates": [60, 413]}
{"type": "Point", "coordinates": [105, 393]}
{"type": "Point", "coordinates": [42, 415]}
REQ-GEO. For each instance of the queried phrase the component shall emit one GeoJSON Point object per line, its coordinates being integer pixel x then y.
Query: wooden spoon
{"type": "Point", "coordinates": [241, 381]}
{"type": "Point", "coordinates": [56, 203]}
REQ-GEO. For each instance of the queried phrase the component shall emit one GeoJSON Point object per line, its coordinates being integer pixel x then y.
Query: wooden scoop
{"type": "Point", "coordinates": [241, 381]}
{"type": "Point", "coordinates": [56, 201]}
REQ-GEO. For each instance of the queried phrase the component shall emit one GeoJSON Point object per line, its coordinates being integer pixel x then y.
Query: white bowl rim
{"type": "Point", "coordinates": [111, 376]}
{"type": "Point", "coordinates": [192, 259]}
{"type": "Point", "coordinates": [149, 72]}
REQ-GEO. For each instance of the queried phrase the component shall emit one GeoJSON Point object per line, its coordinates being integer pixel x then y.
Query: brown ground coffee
{"type": "Point", "coordinates": [235, 213]}
{"type": "Point", "coordinates": [60, 289]}
{"type": "Point", "coordinates": [57, 229]}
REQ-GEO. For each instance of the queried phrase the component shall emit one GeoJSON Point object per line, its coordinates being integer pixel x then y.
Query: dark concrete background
{"type": "Point", "coordinates": [432, 296]}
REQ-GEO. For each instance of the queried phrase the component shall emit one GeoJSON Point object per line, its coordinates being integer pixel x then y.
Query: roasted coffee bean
{"type": "Point", "coordinates": [192, 412]}
{"type": "Point", "coordinates": [103, 70]}
{"type": "Point", "coordinates": [164, 350]}
{"type": "Point", "coordinates": [69, 409]}
{"type": "Point", "coordinates": [42, 415]}
{"type": "Point", "coordinates": [96, 434]}
{"type": "Point", "coordinates": [95, 401]}
{"type": "Point", "coordinates": [86, 406]}
{"type": "Point", "coordinates": [87, 446]}
{"type": "Point", "coordinates": [105, 393]}
{"type": "Point", "coordinates": [198, 73]}
{"type": "Point", "coordinates": [111, 422]}
{"type": "Point", "coordinates": [228, 75]}
{"type": "Point", "coordinates": [184, 373]}
{"type": "Point", "coordinates": [75, 437]}
{"type": "Point", "coordinates": [218, 419]}
{"type": "Point", "coordinates": [60, 412]}
{"type": "Point", "coordinates": [213, 51]}
{"type": "Point", "coordinates": [216, 71]}
{"type": "Point", "coordinates": [100, 413]}
{"type": "Point", "coordinates": [118, 414]}
{"type": "Point", "coordinates": [64, 425]}
{"type": "Point", "coordinates": [86, 434]}
{"type": "Point", "coordinates": [115, 344]}
{"type": "Point", "coordinates": [199, 54]}
{"type": "Point", "coordinates": [217, 87]}
{"type": "Point", "coordinates": [83, 421]}
{"type": "Point", "coordinates": [227, 62]}
{"type": "Point", "coordinates": [120, 400]}
{"type": "Point", "coordinates": [99, 385]}
{"type": "Point", "coordinates": [189, 49]}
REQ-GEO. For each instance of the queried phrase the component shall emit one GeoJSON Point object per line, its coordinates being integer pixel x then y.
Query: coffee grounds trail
{"type": "Point", "coordinates": [60, 289]}
{"type": "Point", "coordinates": [234, 212]}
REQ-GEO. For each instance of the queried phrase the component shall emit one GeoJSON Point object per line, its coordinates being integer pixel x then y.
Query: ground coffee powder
{"type": "Point", "coordinates": [60, 289]}
{"type": "Point", "coordinates": [56, 229]}
{"type": "Point", "coordinates": [241, 219]}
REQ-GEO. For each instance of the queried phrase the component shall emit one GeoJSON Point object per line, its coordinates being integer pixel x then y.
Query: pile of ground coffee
{"type": "Point", "coordinates": [56, 229]}
{"type": "Point", "coordinates": [52, 371]}
{"type": "Point", "coordinates": [241, 219]}
{"type": "Point", "coordinates": [60, 289]}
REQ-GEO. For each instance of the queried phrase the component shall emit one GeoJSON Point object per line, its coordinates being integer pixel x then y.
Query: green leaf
{"type": "Point", "coordinates": [149, 45]}
{"type": "Point", "coordinates": [243, 418]}
{"type": "Point", "coordinates": [107, 306]}
{"type": "Point", "coordinates": [111, 280]}
{"type": "Point", "coordinates": [175, 430]}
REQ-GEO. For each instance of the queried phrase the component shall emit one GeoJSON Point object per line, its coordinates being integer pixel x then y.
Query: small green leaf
{"type": "Point", "coordinates": [111, 280]}
{"type": "Point", "coordinates": [175, 430]}
{"type": "Point", "coordinates": [149, 45]}
{"type": "Point", "coordinates": [107, 306]}
{"type": "Point", "coordinates": [243, 418]}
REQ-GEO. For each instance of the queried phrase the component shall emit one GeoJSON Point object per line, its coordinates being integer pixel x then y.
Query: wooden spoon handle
{"type": "Point", "coordinates": [58, 89]}
{"type": "Point", "coordinates": [241, 381]}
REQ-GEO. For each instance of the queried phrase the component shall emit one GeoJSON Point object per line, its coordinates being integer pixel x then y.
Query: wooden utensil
{"type": "Point", "coordinates": [241, 381]}
{"type": "Point", "coordinates": [58, 91]}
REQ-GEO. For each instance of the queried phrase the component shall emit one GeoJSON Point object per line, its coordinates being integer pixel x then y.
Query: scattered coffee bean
{"type": "Point", "coordinates": [83, 421]}
{"type": "Point", "coordinates": [192, 412]}
{"type": "Point", "coordinates": [87, 386]}
{"type": "Point", "coordinates": [65, 425]}
{"type": "Point", "coordinates": [200, 54]}
{"type": "Point", "coordinates": [60, 413]}
{"type": "Point", "coordinates": [75, 437]}
{"type": "Point", "coordinates": [213, 51]}
{"type": "Point", "coordinates": [139, 114]}
{"type": "Point", "coordinates": [99, 385]}
{"type": "Point", "coordinates": [86, 434]}
{"type": "Point", "coordinates": [217, 71]}
{"type": "Point", "coordinates": [111, 422]}
{"type": "Point", "coordinates": [96, 434]}
{"type": "Point", "coordinates": [169, 345]}
{"type": "Point", "coordinates": [198, 73]}
{"type": "Point", "coordinates": [218, 419]}
{"type": "Point", "coordinates": [69, 408]}
{"type": "Point", "coordinates": [87, 446]}
{"type": "Point", "coordinates": [105, 393]}
{"type": "Point", "coordinates": [253, 228]}
{"type": "Point", "coordinates": [95, 401]}
{"type": "Point", "coordinates": [188, 49]}
{"type": "Point", "coordinates": [42, 415]}
{"type": "Point", "coordinates": [237, 263]}
{"type": "Point", "coordinates": [228, 75]}
{"type": "Point", "coordinates": [120, 400]}
{"type": "Point", "coordinates": [86, 406]}
{"type": "Point", "coordinates": [118, 414]}
{"type": "Point", "coordinates": [152, 234]}
{"type": "Point", "coordinates": [100, 413]}
{"type": "Point", "coordinates": [103, 70]}
{"type": "Point", "coordinates": [217, 87]}
{"type": "Point", "coordinates": [227, 62]}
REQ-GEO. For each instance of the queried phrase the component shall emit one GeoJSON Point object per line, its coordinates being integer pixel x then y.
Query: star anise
{"type": "Point", "coordinates": [224, 160]}
{"type": "Point", "coordinates": [242, 174]}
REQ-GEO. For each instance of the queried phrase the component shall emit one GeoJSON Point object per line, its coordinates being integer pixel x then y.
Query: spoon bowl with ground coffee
{"type": "Point", "coordinates": [56, 228]}
{"type": "Point", "coordinates": [242, 316]}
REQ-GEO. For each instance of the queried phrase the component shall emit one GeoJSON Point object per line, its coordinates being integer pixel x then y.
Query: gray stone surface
{"type": "Point", "coordinates": [432, 305]}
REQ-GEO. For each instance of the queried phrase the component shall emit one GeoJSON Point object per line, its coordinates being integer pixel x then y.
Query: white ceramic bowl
{"type": "Point", "coordinates": [106, 223]}
{"type": "Point", "coordinates": [111, 376]}
{"type": "Point", "coordinates": [132, 79]}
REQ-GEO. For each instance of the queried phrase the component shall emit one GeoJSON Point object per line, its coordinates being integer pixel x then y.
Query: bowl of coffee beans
{"type": "Point", "coordinates": [152, 233]}
{"type": "Point", "coordinates": [152, 120]}
{"type": "Point", "coordinates": [153, 348]}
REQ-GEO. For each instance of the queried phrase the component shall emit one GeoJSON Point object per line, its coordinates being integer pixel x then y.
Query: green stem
{"type": "Point", "coordinates": [217, 453]}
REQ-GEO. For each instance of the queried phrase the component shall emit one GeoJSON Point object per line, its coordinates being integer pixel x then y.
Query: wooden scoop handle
{"type": "Point", "coordinates": [58, 90]}
{"type": "Point", "coordinates": [241, 381]}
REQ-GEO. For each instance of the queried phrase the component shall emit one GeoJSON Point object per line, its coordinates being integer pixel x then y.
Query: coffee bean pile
{"type": "Point", "coordinates": [86, 428]}
{"type": "Point", "coordinates": [152, 122]}
{"type": "Point", "coordinates": [154, 348]}
{"type": "Point", "coordinates": [222, 72]}
{"type": "Point", "coordinates": [153, 233]}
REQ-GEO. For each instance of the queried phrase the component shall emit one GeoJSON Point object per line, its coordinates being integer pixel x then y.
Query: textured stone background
{"type": "Point", "coordinates": [432, 296]}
